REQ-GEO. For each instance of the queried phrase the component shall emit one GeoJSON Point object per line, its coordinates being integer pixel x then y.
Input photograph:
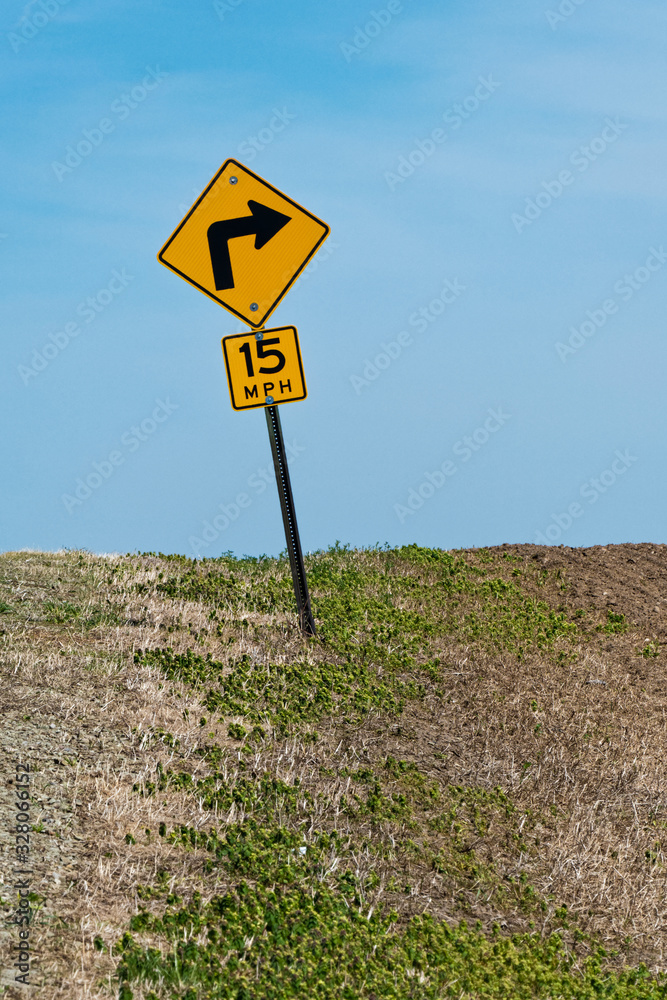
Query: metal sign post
{"type": "Point", "coordinates": [306, 620]}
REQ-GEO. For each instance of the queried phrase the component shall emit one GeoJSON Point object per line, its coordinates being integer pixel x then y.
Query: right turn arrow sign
{"type": "Point", "coordinates": [263, 224]}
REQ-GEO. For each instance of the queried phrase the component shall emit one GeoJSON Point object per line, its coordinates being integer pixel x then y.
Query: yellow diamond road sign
{"type": "Point", "coordinates": [243, 243]}
{"type": "Point", "coordinates": [264, 368]}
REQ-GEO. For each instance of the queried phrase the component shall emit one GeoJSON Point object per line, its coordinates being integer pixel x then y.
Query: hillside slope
{"type": "Point", "coordinates": [456, 790]}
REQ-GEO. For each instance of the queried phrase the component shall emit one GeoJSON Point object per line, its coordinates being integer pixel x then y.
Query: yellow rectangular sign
{"type": "Point", "coordinates": [264, 368]}
{"type": "Point", "coordinates": [243, 243]}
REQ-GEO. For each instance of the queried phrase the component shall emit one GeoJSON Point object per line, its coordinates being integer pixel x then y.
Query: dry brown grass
{"type": "Point", "coordinates": [578, 745]}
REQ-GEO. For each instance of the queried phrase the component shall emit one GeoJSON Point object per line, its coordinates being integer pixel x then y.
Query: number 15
{"type": "Point", "coordinates": [261, 346]}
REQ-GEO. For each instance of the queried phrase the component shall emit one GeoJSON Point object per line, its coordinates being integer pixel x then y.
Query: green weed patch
{"type": "Point", "coordinates": [400, 599]}
{"type": "Point", "coordinates": [615, 624]}
{"type": "Point", "coordinates": [286, 694]}
{"type": "Point", "coordinates": [294, 927]}
{"type": "Point", "coordinates": [66, 613]}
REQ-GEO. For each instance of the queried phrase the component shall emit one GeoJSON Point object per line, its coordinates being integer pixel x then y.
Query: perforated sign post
{"type": "Point", "coordinates": [244, 243]}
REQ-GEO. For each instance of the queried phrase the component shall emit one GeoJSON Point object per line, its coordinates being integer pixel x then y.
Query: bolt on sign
{"type": "Point", "coordinates": [264, 368]}
{"type": "Point", "coordinates": [243, 243]}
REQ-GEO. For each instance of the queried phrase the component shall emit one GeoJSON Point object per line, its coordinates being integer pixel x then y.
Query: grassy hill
{"type": "Point", "coordinates": [456, 790]}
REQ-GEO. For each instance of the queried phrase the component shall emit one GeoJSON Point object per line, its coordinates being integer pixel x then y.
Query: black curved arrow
{"type": "Point", "coordinates": [263, 224]}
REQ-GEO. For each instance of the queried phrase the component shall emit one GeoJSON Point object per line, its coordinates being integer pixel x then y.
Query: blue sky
{"type": "Point", "coordinates": [483, 334]}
